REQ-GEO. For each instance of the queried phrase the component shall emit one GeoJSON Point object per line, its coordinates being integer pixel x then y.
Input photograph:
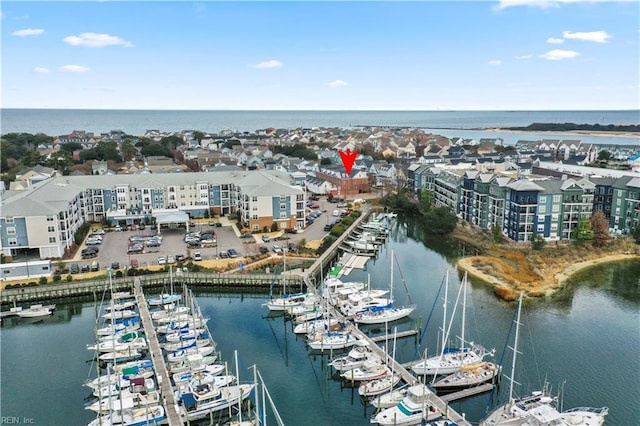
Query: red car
{"type": "Point", "coordinates": [315, 206]}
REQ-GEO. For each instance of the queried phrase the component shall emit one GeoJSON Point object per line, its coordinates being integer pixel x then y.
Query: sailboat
{"type": "Point", "coordinates": [451, 359]}
{"type": "Point", "coordinates": [287, 301]}
{"type": "Point", "coordinates": [166, 298]}
{"type": "Point", "coordinates": [538, 408]}
{"type": "Point", "coordinates": [384, 314]}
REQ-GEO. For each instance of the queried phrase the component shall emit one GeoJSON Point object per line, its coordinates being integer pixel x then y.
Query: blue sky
{"type": "Point", "coordinates": [450, 55]}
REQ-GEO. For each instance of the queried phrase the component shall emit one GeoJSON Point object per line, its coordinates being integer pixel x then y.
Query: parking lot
{"type": "Point", "coordinates": [114, 244]}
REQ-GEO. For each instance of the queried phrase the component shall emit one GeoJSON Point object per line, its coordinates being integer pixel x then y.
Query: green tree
{"type": "Point", "coordinates": [197, 135]}
{"type": "Point", "coordinates": [604, 155]}
{"type": "Point", "coordinates": [128, 150]}
{"type": "Point", "coordinates": [583, 232]}
{"type": "Point", "coordinates": [600, 226]}
{"type": "Point", "coordinates": [425, 202]}
{"type": "Point", "coordinates": [440, 220]}
{"type": "Point", "coordinates": [538, 242]}
{"type": "Point", "coordinates": [326, 243]}
{"type": "Point", "coordinates": [498, 237]}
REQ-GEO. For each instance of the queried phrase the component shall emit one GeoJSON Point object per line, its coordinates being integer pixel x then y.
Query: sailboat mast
{"type": "Point", "coordinates": [515, 349]}
{"type": "Point", "coordinates": [464, 308]}
{"type": "Point", "coordinates": [391, 282]}
{"type": "Point", "coordinates": [444, 314]}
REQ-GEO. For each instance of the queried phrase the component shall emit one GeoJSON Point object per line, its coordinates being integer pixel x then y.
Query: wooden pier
{"type": "Point", "coordinates": [159, 366]}
{"type": "Point", "coordinates": [399, 335]}
{"type": "Point", "coordinates": [467, 392]}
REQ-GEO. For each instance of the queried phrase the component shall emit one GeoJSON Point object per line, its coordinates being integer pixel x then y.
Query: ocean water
{"type": "Point", "coordinates": [584, 342]}
{"type": "Point", "coordinates": [448, 123]}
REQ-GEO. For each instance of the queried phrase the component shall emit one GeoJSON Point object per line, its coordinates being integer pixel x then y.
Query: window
{"type": "Point", "coordinates": [542, 209]}
{"type": "Point", "coordinates": [113, 198]}
{"type": "Point", "coordinates": [254, 216]}
{"type": "Point", "coordinates": [12, 241]}
{"type": "Point", "coordinates": [540, 228]}
{"type": "Point", "coordinates": [283, 215]}
{"type": "Point", "coordinates": [9, 219]}
{"type": "Point", "coordinates": [51, 229]}
{"type": "Point", "coordinates": [283, 206]}
{"type": "Point", "coordinates": [50, 218]}
{"type": "Point", "coordinates": [254, 198]}
{"type": "Point", "coordinates": [543, 199]}
{"type": "Point", "coordinates": [555, 208]}
{"type": "Point", "coordinates": [554, 217]}
{"type": "Point", "coordinates": [255, 227]}
{"type": "Point", "coordinates": [52, 239]}
{"type": "Point", "coordinates": [554, 226]}
{"type": "Point", "coordinates": [540, 218]}
{"type": "Point", "coordinates": [557, 198]}
{"type": "Point", "coordinates": [11, 231]}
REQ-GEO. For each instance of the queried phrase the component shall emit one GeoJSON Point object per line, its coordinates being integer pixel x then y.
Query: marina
{"type": "Point", "coordinates": [288, 352]}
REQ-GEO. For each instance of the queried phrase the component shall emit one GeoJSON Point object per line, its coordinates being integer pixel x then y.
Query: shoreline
{"type": "Point", "coordinates": [546, 288]}
{"type": "Point", "coordinates": [591, 133]}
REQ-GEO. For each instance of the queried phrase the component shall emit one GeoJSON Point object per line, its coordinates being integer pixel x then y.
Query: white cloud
{"type": "Point", "coordinates": [41, 70]}
{"type": "Point", "coordinates": [96, 40]}
{"type": "Point", "coordinates": [28, 32]}
{"type": "Point", "coordinates": [557, 54]}
{"type": "Point", "coordinates": [594, 36]}
{"type": "Point", "coordinates": [73, 68]}
{"type": "Point", "coordinates": [337, 83]}
{"type": "Point", "coordinates": [529, 56]}
{"type": "Point", "coordinates": [495, 62]}
{"type": "Point", "coordinates": [503, 4]}
{"type": "Point", "coordinates": [269, 64]}
{"type": "Point", "coordinates": [554, 40]}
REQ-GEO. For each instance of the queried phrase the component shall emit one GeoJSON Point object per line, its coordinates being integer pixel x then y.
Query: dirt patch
{"type": "Point", "coordinates": [515, 269]}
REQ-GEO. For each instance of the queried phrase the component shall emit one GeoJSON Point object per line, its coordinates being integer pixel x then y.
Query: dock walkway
{"type": "Point", "coordinates": [170, 406]}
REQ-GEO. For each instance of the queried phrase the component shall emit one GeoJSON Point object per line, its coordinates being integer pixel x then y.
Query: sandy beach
{"type": "Point", "coordinates": [630, 135]}
{"type": "Point", "coordinates": [542, 288]}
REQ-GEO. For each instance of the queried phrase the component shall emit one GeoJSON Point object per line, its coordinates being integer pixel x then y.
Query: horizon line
{"type": "Point", "coordinates": [315, 110]}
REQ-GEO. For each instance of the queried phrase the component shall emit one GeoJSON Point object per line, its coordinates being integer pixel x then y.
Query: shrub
{"type": "Point", "coordinates": [43, 280]}
{"type": "Point", "coordinates": [69, 278]}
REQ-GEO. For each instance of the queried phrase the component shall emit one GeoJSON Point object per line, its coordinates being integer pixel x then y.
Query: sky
{"type": "Point", "coordinates": [331, 55]}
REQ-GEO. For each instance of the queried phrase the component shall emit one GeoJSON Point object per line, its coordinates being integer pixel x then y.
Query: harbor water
{"type": "Point", "coordinates": [584, 342]}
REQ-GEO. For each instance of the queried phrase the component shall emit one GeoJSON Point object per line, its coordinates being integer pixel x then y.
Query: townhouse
{"type": "Point", "coordinates": [46, 216]}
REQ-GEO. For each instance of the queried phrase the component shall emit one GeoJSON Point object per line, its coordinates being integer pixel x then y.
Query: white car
{"type": "Point", "coordinates": [197, 256]}
{"type": "Point", "coordinates": [162, 260]}
{"type": "Point", "coordinates": [171, 259]}
{"type": "Point", "coordinates": [98, 232]}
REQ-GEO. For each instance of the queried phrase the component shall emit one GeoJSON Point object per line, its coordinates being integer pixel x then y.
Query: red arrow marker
{"type": "Point", "coordinates": [348, 158]}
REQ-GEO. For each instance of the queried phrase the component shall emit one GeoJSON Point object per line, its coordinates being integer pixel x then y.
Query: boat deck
{"type": "Point", "coordinates": [170, 406]}
{"type": "Point", "coordinates": [4, 314]}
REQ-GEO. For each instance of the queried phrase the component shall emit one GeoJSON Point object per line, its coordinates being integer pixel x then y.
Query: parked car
{"type": "Point", "coordinates": [85, 268]}
{"type": "Point", "coordinates": [98, 232]}
{"type": "Point", "coordinates": [171, 259]}
{"type": "Point", "coordinates": [197, 256]}
{"type": "Point", "coordinates": [74, 269]}
{"type": "Point", "coordinates": [135, 248]}
{"type": "Point", "coordinates": [224, 255]}
{"type": "Point", "coordinates": [93, 242]}
{"type": "Point", "coordinates": [95, 266]}
{"type": "Point", "coordinates": [115, 265]}
{"type": "Point", "coordinates": [134, 263]}
{"type": "Point", "coordinates": [232, 252]}
{"type": "Point", "coordinates": [118, 228]}
{"type": "Point", "coordinates": [276, 249]}
{"type": "Point", "coordinates": [212, 223]}
{"type": "Point", "coordinates": [315, 206]}
{"type": "Point", "coordinates": [89, 252]}
{"type": "Point", "coordinates": [141, 227]}
{"type": "Point", "coordinates": [291, 231]}
{"type": "Point", "coordinates": [246, 235]}
{"type": "Point", "coordinates": [266, 238]}
{"type": "Point", "coordinates": [162, 260]}
{"type": "Point", "coordinates": [264, 249]}
{"type": "Point", "coordinates": [328, 226]}
{"type": "Point", "coordinates": [292, 247]}
{"type": "Point", "coordinates": [180, 258]}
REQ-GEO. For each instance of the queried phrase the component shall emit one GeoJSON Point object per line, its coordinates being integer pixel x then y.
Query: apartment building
{"type": "Point", "coordinates": [46, 217]}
